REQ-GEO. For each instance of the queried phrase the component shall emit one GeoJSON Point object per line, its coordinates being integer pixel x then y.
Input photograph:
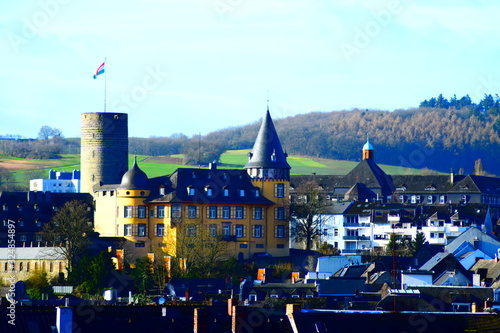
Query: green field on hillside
{"type": "Point", "coordinates": [154, 167]}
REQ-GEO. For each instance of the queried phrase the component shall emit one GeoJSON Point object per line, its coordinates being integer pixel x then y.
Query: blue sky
{"type": "Point", "coordinates": [195, 66]}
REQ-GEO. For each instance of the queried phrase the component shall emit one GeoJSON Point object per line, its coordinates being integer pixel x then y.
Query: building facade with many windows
{"type": "Point", "coordinates": [246, 208]}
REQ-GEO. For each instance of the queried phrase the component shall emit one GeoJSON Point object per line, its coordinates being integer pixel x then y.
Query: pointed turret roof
{"type": "Point", "coordinates": [267, 151]}
{"type": "Point", "coordinates": [134, 178]}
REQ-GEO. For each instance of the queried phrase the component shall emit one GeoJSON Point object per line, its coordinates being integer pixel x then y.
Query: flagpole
{"type": "Point", "coordinates": [105, 71]}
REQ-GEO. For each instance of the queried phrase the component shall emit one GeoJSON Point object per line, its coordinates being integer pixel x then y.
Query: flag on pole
{"type": "Point", "coordinates": [99, 71]}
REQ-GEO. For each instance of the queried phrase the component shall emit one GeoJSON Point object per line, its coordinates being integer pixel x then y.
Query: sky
{"type": "Point", "coordinates": [197, 66]}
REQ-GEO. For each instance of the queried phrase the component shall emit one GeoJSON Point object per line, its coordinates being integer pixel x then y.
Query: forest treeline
{"type": "Point", "coordinates": [441, 134]}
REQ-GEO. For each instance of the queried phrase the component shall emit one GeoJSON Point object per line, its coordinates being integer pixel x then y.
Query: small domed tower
{"type": "Point", "coordinates": [367, 149]}
{"type": "Point", "coordinates": [132, 218]}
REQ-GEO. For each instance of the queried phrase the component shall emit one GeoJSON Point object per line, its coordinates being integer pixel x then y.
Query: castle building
{"type": "Point", "coordinates": [58, 182]}
{"type": "Point", "coordinates": [246, 209]}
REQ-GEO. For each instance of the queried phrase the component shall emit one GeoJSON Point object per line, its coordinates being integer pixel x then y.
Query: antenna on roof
{"type": "Point", "coordinates": [267, 100]}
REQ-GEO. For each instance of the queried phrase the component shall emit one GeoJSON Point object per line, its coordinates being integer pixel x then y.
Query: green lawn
{"type": "Point", "coordinates": [236, 159]}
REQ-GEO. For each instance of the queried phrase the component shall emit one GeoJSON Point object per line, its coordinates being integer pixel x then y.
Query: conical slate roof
{"type": "Point", "coordinates": [267, 151]}
{"type": "Point", "coordinates": [134, 178]}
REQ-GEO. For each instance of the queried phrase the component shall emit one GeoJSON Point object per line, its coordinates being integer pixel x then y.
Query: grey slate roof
{"type": "Point", "coordinates": [134, 178]}
{"type": "Point", "coordinates": [370, 174]}
{"type": "Point", "coordinates": [267, 151]}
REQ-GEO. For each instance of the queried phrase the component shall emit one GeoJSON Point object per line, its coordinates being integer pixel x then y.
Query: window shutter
{"type": "Point", "coordinates": [220, 212]}
{"type": "Point", "coordinates": [275, 213]}
{"type": "Point", "coordinates": [244, 212]}
{"type": "Point", "coordinates": [244, 230]}
{"type": "Point", "coordinates": [275, 190]}
{"type": "Point", "coordinates": [233, 213]}
{"type": "Point", "coordinates": [208, 212]}
{"type": "Point", "coordinates": [254, 212]}
{"type": "Point", "coordinates": [275, 231]}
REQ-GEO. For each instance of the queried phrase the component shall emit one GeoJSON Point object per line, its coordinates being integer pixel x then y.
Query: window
{"type": "Point", "coordinates": [162, 190]}
{"type": "Point", "coordinates": [257, 213]}
{"type": "Point", "coordinates": [279, 231]}
{"type": "Point", "coordinates": [257, 231]}
{"type": "Point", "coordinates": [464, 199]}
{"type": "Point", "coordinates": [5, 207]}
{"type": "Point", "coordinates": [37, 208]}
{"type": "Point", "coordinates": [127, 230]}
{"type": "Point", "coordinates": [38, 238]}
{"type": "Point", "coordinates": [141, 230]}
{"type": "Point", "coordinates": [240, 212]}
{"type": "Point", "coordinates": [413, 199]}
{"type": "Point", "coordinates": [212, 230]}
{"type": "Point", "coordinates": [226, 229]}
{"type": "Point", "coordinates": [160, 212]}
{"type": "Point", "coordinates": [38, 223]}
{"type": "Point", "coordinates": [192, 212]}
{"type": "Point", "coordinates": [176, 211]}
{"type": "Point", "coordinates": [239, 230]}
{"type": "Point", "coordinates": [191, 231]}
{"type": "Point", "coordinates": [430, 199]}
{"type": "Point", "coordinates": [335, 232]}
{"type": "Point", "coordinates": [257, 193]}
{"type": "Point", "coordinates": [280, 213]}
{"type": "Point", "coordinates": [442, 199]}
{"type": "Point", "coordinates": [212, 212]}
{"type": "Point", "coordinates": [23, 238]}
{"type": "Point", "coordinates": [401, 198]}
{"type": "Point", "coordinates": [209, 191]}
{"type": "Point", "coordinates": [142, 212]}
{"type": "Point", "coordinates": [160, 230]}
{"type": "Point", "coordinates": [242, 192]}
{"type": "Point", "coordinates": [280, 246]}
{"type": "Point", "coordinates": [243, 246]}
{"type": "Point", "coordinates": [127, 212]}
{"type": "Point", "coordinates": [279, 190]}
{"type": "Point", "coordinates": [190, 190]}
{"type": "Point", "coordinates": [21, 223]}
{"type": "Point", "coordinates": [259, 246]}
{"type": "Point", "coordinates": [226, 192]}
{"type": "Point", "coordinates": [226, 212]}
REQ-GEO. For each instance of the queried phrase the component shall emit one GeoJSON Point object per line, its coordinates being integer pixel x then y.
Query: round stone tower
{"type": "Point", "coordinates": [104, 148]}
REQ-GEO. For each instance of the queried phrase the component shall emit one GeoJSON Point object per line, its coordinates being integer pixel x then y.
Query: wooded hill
{"type": "Point", "coordinates": [438, 139]}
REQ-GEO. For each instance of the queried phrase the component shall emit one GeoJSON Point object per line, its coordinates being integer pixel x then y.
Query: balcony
{"type": "Point", "coordinates": [358, 238]}
{"type": "Point", "coordinates": [356, 225]}
{"type": "Point", "coordinates": [354, 251]}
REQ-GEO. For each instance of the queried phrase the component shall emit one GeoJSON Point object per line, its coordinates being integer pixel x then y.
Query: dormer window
{"type": "Point", "coordinates": [430, 188]}
{"type": "Point", "coordinates": [401, 188]}
{"type": "Point", "coordinates": [209, 191]}
{"type": "Point", "coordinates": [242, 192]}
{"type": "Point", "coordinates": [162, 190]}
{"type": "Point", "coordinates": [190, 190]}
{"type": "Point", "coordinates": [273, 156]}
{"type": "Point", "coordinates": [226, 192]}
{"type": "Point", "coordinates": [19, 208]}
{"type": "Point", "coordinates": [193, 175]}
{"type": "Point", "coordinates": [257, 193]}
{"type": "Point", "coordinates": [5, 207]}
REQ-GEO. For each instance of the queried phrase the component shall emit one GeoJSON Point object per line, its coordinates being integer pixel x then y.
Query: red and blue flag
{"type": "Point", "coordinates": [99, 71]}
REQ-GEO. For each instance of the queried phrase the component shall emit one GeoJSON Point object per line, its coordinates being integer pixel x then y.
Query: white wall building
{"type": "Point", "coordinates": [58, 182]}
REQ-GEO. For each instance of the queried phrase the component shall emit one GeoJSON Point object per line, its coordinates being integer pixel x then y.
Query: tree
{"type": "Point", "coordinates": [307, 204]}
{"type": "Point", "coordinates": [37, 284]}
{"type": "Point", "coordinates": [478, 168]}
{"type": "Point", "coordinates": [47, 132]}
{"type": "Point", "coordinates": [418, 242]}
{"type": "Point", "coordinates": [202, 251]}
{"type": "Point", "coordinates": [90, 272]}
{"type": "Point", "coordinates": [71, 230]}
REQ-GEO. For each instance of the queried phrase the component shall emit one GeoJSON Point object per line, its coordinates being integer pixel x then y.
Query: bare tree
{"type": "Point", "coordinates": [307, 203]}
{"type": "Point", "coordinates": [71, 230]}
{"type": "Point", "coordinates": [202, 251]}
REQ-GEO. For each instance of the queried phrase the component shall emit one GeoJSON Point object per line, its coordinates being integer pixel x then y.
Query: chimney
{"type": "Point", "coordinates": [368, 276]}
{"type": "Point", "coordinates": [201, 320]}
{"type": "Point", "coordinates": [64, 319]}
